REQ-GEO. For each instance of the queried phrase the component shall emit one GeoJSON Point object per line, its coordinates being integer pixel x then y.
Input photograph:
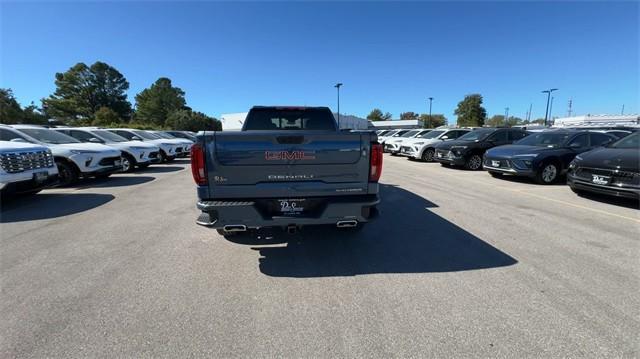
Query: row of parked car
{"type": "Point", "coordinates": [36, 157]}
{"type": "Point", "coordinates": [606, 161]}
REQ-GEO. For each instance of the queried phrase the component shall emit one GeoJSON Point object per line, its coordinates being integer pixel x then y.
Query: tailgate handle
{"type": "Point", "coordinates": [290, 140]}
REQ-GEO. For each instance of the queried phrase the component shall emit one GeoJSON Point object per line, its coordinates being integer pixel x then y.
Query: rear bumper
{"type": "Point", "coordinates": [242, 212]}
{"type": "Point", "coordinates": [615, 191]}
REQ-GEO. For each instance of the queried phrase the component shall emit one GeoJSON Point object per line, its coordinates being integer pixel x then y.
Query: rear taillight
{"type": "Point", "coordinates": [198, 170]}
{"type": "Point", "coordinates": [375, 162]}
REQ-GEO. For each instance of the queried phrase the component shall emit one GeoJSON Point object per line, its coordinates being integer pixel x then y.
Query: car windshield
{"type": "Point", "coordinates": [632, 141]}
{"type": "Point", "coordinates": [382, 133]}
{"type": "Point", "coordinates": [109, 136]}
{"type": "Point", "coordinates": [477, 135]}
{"type": "Point", "coordinates": [399, 133]}
{"type": "Point", "coordinates": [431, 134]}
{"type": "Point", "coordinates": [410, 133]}
{"type": "Point", "coordinates": [48, 136]}
{"type": "Point", "coordinates": [146, 135]}
{"type": "Point", "coordinates": [163, 135]}
{"type": "Point", "coordinates": [544, 139]}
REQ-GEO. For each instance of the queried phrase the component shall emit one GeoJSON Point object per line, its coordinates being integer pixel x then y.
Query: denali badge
{"type": "Point", "coordinates": [287, 155]}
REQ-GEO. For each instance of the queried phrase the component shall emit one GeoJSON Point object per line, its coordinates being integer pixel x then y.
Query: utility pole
{"type": "Point", "coordinates": [529, 113]}
{"type": "Point", "coordinates": [430, 101]}
{"type": "Point", "coordinates": [622, 112]}
{"type": "Point", "coordinates": [506, 115]}
{"type": "Point", "coordinates": [569, 111]}
{"type": "Point", "coordinates": [546, 112]}
{"type": "Point", "coordinates": [337, 86]}
{"type": "Point", "coordinates": [550, 110]}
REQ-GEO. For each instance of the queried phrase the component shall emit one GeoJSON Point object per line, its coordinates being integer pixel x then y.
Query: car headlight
{"type": "Point", "coordinates": [458, 150]}
{"type": "Point", "coordinates": [83, 152]}
{"type": "Point", "coordinates": [419, 143]}
{"type": "Point", "coordinates": [578, 158]}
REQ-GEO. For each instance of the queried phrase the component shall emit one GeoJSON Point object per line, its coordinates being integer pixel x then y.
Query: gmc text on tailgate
{"type": "Point", "coordinates": [288, 167]}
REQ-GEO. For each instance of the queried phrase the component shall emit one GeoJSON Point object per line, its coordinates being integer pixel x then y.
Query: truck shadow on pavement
{"type": "Point", "coordinates": [50, 205]}
{"type": "Point", "coordinates": [407, 237]}
{"type": "Point", "coordinates": [119, 180]}
{"type": "Point", "coordinates": [161, 169]}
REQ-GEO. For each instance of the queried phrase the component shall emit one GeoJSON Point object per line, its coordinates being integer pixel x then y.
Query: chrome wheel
{"type": "Point", "coordinates": [126, 164]}
{"type": "Point", "coordinates": [549, 173]}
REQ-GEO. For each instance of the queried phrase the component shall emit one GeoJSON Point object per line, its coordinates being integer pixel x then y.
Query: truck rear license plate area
{"type": "Point", "coordinates": [291, 207]}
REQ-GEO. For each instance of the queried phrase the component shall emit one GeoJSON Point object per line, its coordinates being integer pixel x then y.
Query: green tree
{"type": "Point", "coordinates": [10, 110]}
{"type": "Point", "coordinates": [156, 103]}
{"type": "Point", "coordinates": [377, 115]}
{"type": "Point", "coordinates": [514, 121]}
{"type": "Point", "coordinates": [82, 90]}
{"type": "Point", "coordinates": [106, 117]}
{"type": "Point", "coordinates": [433, 122]}
{"type": "Point", "coordinates": [495, 121]}
{"type": "Point", "coordinates": [187, 120]}
{"type": "Point", "coordinates": [470, 111]}
{"type": "Point", "coordinates": [409, 115]}
{"type": "Point", "coordinates": [33, 115]}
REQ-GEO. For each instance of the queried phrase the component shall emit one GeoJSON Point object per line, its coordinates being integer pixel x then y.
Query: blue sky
{"type": "Point", "coordinates": [230, 56]}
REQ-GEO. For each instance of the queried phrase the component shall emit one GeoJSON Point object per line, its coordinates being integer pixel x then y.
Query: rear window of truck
{"type": "Point", "coordinates": [289, 119]}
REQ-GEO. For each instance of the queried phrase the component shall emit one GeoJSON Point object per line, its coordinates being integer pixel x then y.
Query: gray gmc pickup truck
{"type": "Point", "coordinates": [288, 167]}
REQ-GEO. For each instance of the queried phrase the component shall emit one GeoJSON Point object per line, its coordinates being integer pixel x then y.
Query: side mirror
{"type": "Point", "coordinates": [18, 139]}
{"type": "Point", "coordinates": [94, 140]}
{"type": "Point", "coordinates": [136, 138]}
{"type": "Point", "coordinates": [574, 145]}
{"type": "Point", "coordinates": [445, 137]}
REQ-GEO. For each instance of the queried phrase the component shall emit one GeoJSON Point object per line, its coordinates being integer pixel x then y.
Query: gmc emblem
{"type": "Point", "coordinates": [287, 155]}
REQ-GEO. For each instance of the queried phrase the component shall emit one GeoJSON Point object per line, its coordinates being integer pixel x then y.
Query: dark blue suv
{"type": "Point", "coordinates": [543, 156]}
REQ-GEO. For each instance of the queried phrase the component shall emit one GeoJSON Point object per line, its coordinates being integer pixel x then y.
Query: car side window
{"type": "Point", "coordinates": [81, 135]}
{"type": "Point", "coordinates": [579, 141]}
{"type": "Point", "coordinates": [6, 135]}
{"type": "Point", "coordinates": [124, 134]}
{"type": "Point", "coordinates": [498, 137]}
{"type": "Point", "coordinates": [517, 135]}
{"type": "Point", "coordinates": [599, 139]}
{"type": "Point", "coordinates": [453, 134]}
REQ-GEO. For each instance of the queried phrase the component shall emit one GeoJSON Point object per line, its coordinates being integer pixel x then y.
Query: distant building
{"type": "Point", "coordinates": [234, 121]}
{"type": "Point", "coordinates": [397, 124]}
{"type": "Point", "coordinates": [598, 121]}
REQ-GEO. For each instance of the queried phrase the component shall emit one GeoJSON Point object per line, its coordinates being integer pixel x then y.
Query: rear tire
{"type": "Point", "coordinates": [67, 173]}
{"type": "Point", "coordinates": [163, 157]}
{"type": "Point", "coordinates": [473, 163]}
{"type": "Point", "coordinates": [428, 154]}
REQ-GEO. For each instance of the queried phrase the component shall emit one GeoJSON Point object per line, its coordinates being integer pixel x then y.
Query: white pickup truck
{"type": "Point", "coordinates": [25, 168]}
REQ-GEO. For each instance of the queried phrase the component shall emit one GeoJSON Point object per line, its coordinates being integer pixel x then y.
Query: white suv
{"type": "Point", "coordinates": [393, 144]}
{"type": "Point", "coordinates": [181, 151]}
{"type": "Point", "coordinates": [73, 158]}
{"type": "Point", "coordinates": [423, 146]}
{"type": "Point", "coordinates": [134, 153]}
{"type": "Point", "coordinates": [25, 168]}
{"type": "Point", "coordinates": [167, 147]}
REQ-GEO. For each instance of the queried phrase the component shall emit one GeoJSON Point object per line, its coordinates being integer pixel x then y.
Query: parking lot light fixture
{"type": "Point", "coordinates": [546, 113]}
{"type": "Point", "coordinates": [337, 86]}
{"type": "Point", "coordinates": [430, 101]}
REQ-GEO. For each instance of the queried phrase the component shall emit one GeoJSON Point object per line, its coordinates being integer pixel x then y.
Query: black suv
{"type": "Point", "coordinates": [543, 156]}
{"type": "Point", "coordinates": [612, 170]}
{"type": "Point", "coordinates": [468, 149]}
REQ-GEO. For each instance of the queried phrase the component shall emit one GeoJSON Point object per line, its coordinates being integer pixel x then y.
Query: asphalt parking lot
{"type": "Point", "coordinates": [459, 264]}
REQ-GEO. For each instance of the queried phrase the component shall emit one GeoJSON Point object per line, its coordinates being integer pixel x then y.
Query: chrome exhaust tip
{"type": "Point", "coordinates": [347, 223]}
{"type": "Point", "coordinates": [235, 228]}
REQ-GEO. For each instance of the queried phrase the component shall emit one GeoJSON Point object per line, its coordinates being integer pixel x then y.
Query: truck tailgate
{"type": "Point", "coordinates": [263, 164]}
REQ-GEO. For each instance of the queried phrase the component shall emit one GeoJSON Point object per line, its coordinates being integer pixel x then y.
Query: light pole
{"type": "Point", "coordinates": [430, 101]}
{"type": "Point", "coordinates": [546, 113]}
{"type": "Point", "coordinates": [506, 115]}
{"type": "Point", "coordinates": [551, 110]}
{"type": "Point", "coordinates": [337, 86]}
